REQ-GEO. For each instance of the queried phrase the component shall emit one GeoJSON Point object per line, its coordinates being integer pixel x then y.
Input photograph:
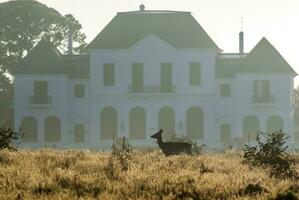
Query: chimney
{"type": "Point", "coordinates": [241, 42]}
{"type": "Point", "coordinates": [70, 42]}
{"type": "Point", "coordinates": [141, 7]}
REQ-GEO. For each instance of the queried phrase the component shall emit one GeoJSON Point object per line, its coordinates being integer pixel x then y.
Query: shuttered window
{"type": "Point", "coordinates": [166, 77]}
{"type": "Point", "coordinates": [225, 131]}
{"type": "Point", "coordinates": [262, 91]}
{"type": "Point", "coordinates": [225, 90]}
{"type": "Point", "coordinates": [137, 77]}
{"type": "Point", "coordinates": [79, 91]}
{"type": "Point", "coordinates": [79, 133]}
{"type": "Point", "coordinates": [262, 87]}
{"type": "Point", "coordinates": [40, 92]}
{"type": "Point", "coordinates": [108, 72]}
{"type": "Point", "coordinates": [194, 74]}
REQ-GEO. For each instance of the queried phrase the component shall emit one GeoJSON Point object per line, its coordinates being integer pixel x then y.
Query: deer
{"type": "Point", "coordinates": [172, 148]}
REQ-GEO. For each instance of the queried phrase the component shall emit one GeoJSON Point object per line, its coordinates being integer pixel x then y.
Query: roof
{"type": "Point", "coordinates": [225, 67]}
{"type": "Point", "coordinates": [264, 58]}
{"type": "Point", "coordinates": [179, 29]}
{"type": "Point", "coordinates": [44, 58]}
{"type": "Point", "coordinates": [77, 66]}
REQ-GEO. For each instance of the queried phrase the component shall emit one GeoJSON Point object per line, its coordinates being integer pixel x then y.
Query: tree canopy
{"type": "Point", "coordinates": [23, 23]}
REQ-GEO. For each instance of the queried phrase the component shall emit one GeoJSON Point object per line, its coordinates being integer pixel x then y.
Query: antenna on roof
{"type": "Point", "coordinates": [241, 38]}
{"type": "Point", "coordinates": [141, 7]}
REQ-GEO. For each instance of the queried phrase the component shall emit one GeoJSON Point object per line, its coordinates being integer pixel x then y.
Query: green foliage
{"type": "Point", "coordinates": [6, 96]}
{"type": "Point", "coordinates": [24, 23]}
{"type": "Point", "coordinates": [272, 154]}
{"type": "Point", "coordinates": [9, 139]}
{"type": "Point", "coordinates": [253, 189]}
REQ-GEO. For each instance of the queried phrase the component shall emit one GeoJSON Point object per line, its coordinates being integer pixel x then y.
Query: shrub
{"type": "Point", "coordinates": [272, 154]}
{"type": "Point", "coordinates": [122, 153]}
{"type": "Point", "coordinates": [252, 189]}
{"type": "Point", "coordinates": [9, 139]}
{"type": "Point", "coordinates": [196, 148]}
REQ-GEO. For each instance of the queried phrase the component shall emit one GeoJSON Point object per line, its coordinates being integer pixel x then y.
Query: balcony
{"type": "Point", "coordinates": [152, 89]}
{"type": "Point", "coordinates": [40, 101]}
{"type": "Point", "coordinates": [263, 99]}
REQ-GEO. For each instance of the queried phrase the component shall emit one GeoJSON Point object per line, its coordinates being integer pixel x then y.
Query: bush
{"type": "Point", "coordinates": [9, 139]}
{"type": "Point", "coordinates": [272, 154]}
{"type": "Point", "coordinates": [122, 153]}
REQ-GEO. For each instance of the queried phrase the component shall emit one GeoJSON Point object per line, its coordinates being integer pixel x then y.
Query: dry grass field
{"type": "Point", "coordinates": [50, 174]}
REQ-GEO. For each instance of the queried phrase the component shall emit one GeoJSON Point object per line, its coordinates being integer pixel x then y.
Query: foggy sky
{"type": "Point", "coordinates": [277, 20]}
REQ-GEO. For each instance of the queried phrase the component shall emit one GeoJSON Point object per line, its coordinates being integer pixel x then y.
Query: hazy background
{"type": "Point", "coordinates": [277, 20]}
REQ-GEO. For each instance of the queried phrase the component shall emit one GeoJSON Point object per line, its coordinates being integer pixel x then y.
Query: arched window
{"type": "Point", "coordinates": [108, 123]}
{"type": "Point", "coordinates": [137, 127]}
{"type": "Point", "coordinates": [166, 121]}
{"type": "Point", "coordinates": [195, 123]}
{"type": "Point", "coordinates": [250, 128]}
{"type": "Point", "coordinates": [274, 123]}
{"type": "Point", "coordinates": [52, 129]}
{"type": "Point", "coordinates": [29, 129]}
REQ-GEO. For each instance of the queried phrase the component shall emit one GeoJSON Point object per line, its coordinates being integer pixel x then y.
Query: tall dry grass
{"type": "Point", "coordinates": [49, 174]}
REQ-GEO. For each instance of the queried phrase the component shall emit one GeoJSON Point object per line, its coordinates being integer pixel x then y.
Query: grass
{"type": "Point", "coordinates": [49, 174]}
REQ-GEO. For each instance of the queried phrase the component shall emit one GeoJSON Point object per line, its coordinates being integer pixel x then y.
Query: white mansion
{"type": "Point", "coordinates": [148, 70]}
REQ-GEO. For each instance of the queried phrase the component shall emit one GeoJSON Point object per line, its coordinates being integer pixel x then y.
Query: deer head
{"type": "Point", "coordinates": [158, 134]}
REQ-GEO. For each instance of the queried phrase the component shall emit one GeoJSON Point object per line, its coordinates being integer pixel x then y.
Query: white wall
{"type": "Point", "coordinates": [152, 51]}
{"type": "Point", "coordinates": [57, 89]}
{"type": "Point", "coordinates": [280, 89]}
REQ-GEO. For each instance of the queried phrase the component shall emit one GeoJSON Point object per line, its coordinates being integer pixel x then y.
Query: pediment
{"type": "Point", "coordinates": [151, 41]}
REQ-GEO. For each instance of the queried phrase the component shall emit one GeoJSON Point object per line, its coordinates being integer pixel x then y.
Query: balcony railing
{"type": "Point", "coordinates": [152, 89]}
{"type": "Point", "coordinates": [40, 100]}
{"type": "Point", "coordinates": [263, 99]}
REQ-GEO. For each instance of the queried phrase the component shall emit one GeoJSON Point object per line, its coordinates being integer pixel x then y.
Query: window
{"type": "Point", "coordinates": [262, 91]}
{"type": "Point", "coordinates": [79, 133]}
{"type": "Point", "coordinates": [225, 90]}
{"type": "Point", "coordinates": [52, 129]}
{"type": "Point", "coordinates": [194, 74]}
{"type": "Point", "coordinates": [40, 92]}
{"type": "Point", "coordinates": [108, 74]}
{"type": "Point", "coordinates": [225, 131]}
{"type": "Point", "coordinates": [166, 77]}
{"type": "Point", "coordinates": [79, 91]}
{"type": "Point", "coordinates": [137, 77]}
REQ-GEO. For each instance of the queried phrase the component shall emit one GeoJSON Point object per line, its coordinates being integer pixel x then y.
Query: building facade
{"type": "Point", "coordinates": [148, 70]}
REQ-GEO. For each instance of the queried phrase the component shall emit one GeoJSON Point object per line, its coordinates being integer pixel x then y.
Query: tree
{"type": "Point", "coordinates": [273, 154]}
{"type": "Point", "coordinates": [296, 105]}
{"type": "Point", "coordinates": [23, 23]}
{"type": "Point", "coordinates": [6, 94]}
{"type": "Point", "coordinates": [9, 139]}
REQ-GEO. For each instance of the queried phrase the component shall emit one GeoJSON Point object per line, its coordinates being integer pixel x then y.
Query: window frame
{"type": "Point", "coordinates": [223, 136]}
{"type": "Point", "coordinates": [83, 132]}
{"type": "Point", "coordinates": [192, 71]}
{"type": "Point", "coordinates": [80, 93]}
{"type": "Point", "coordinates": [225, 90]}
{"type": "Point", "coordinates": [108, 81]}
